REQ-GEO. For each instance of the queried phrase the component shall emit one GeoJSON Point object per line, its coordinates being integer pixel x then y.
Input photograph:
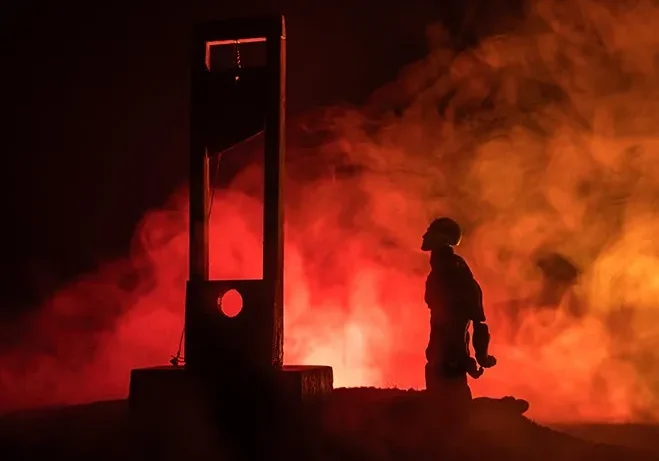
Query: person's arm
{"type": "Point", "coordinates": [477, 314]}
{"type": "Point", "coordinates": [481, 337]}
{"type": "Point", "coordinates": [471, 293]}
{"type": "Point", "coordinates": [481, 343]}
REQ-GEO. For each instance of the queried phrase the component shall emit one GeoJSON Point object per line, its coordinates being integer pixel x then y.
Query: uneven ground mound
{"type": "Point", "coordinates": [394, 424]}
{"type": "Point", "coordinates": [355, 424]}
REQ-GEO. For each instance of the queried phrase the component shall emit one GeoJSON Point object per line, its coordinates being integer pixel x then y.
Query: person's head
{"type": "Point", "coordinates": [442, 232]}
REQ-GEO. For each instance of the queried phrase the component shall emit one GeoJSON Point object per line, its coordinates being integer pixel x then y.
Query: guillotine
{"type": "Point", "coordinates": [256, 333]}
{"type": "Point", "coordinates": [229, 105]}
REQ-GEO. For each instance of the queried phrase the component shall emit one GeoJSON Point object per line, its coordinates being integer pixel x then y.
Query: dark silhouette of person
{"type": "Point", "coordinates": [455, 300]}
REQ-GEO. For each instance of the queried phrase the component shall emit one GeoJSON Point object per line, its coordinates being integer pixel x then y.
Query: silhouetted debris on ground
{"type": "Point", "coordinates": [355, 424]}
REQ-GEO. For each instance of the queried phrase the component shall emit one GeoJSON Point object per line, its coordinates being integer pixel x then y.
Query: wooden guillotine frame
{"type": "Point", "coordinates": [253, 340]}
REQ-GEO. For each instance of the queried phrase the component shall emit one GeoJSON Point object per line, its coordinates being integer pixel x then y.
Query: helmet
{"type": "Point", "coordinates": [441, 232]}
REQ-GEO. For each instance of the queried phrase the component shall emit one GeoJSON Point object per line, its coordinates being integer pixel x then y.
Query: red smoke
{"type": "Point", "coordinates": [541, 140]}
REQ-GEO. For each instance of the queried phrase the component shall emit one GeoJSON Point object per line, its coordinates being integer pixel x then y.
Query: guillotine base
{"type": "Point", "coordinates": [156, 390]}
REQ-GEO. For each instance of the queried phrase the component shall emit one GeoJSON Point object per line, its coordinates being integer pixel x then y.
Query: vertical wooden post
{"type": "Point", "coordinates": [199, 171]}
{"type": "Point", "coordinates": [273, 206]}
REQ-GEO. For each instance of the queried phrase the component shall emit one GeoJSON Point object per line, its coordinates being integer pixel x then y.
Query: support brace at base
{"type": "Point", "coordinates": [157, 389]}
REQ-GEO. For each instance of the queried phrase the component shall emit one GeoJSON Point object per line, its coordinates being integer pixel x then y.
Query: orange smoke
{"type": "Point", "coordinates": [540, 140]}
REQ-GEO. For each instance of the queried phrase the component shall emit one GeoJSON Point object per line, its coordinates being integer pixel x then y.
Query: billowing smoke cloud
{"type": "Point", "coordinates": [540, 142]}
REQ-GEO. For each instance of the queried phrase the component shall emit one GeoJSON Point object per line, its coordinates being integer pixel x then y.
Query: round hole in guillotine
{"type": "Point", "coordinates": [230, 303]}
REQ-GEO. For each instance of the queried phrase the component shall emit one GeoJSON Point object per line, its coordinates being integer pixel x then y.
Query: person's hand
{"type": "Point", "coordinates": [473, 369]}
{"type": "Point", "coordinates": [487, 362]}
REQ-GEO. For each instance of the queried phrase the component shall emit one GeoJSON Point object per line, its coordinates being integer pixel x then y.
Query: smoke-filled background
{"type": "Point", "coordinates": [535, 130]}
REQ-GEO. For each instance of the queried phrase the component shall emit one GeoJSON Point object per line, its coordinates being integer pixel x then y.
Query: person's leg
{"type": "Point", "coordinates": [451, 386]}
{"type": "Point", "coordinates": [431, 378]}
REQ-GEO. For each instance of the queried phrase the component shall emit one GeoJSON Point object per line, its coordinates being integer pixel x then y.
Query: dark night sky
{"type": "Point", "coordinates": [96, 101]}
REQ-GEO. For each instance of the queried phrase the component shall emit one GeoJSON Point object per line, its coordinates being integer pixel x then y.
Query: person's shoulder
{"type": "Point", "coordinates": [459, 260]}
{"type": "Point", "coordinates": [461, 264]}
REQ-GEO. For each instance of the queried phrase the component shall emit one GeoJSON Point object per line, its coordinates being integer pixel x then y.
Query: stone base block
{"type": "Point", "coordinates": [157, 389]}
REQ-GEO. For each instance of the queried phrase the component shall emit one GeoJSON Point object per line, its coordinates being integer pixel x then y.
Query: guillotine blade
{"type": "Point", "coordinates": [234, 107]}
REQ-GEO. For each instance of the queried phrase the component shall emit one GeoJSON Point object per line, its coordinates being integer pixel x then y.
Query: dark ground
{"type": "Point", "coordinates": [363, 423]}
